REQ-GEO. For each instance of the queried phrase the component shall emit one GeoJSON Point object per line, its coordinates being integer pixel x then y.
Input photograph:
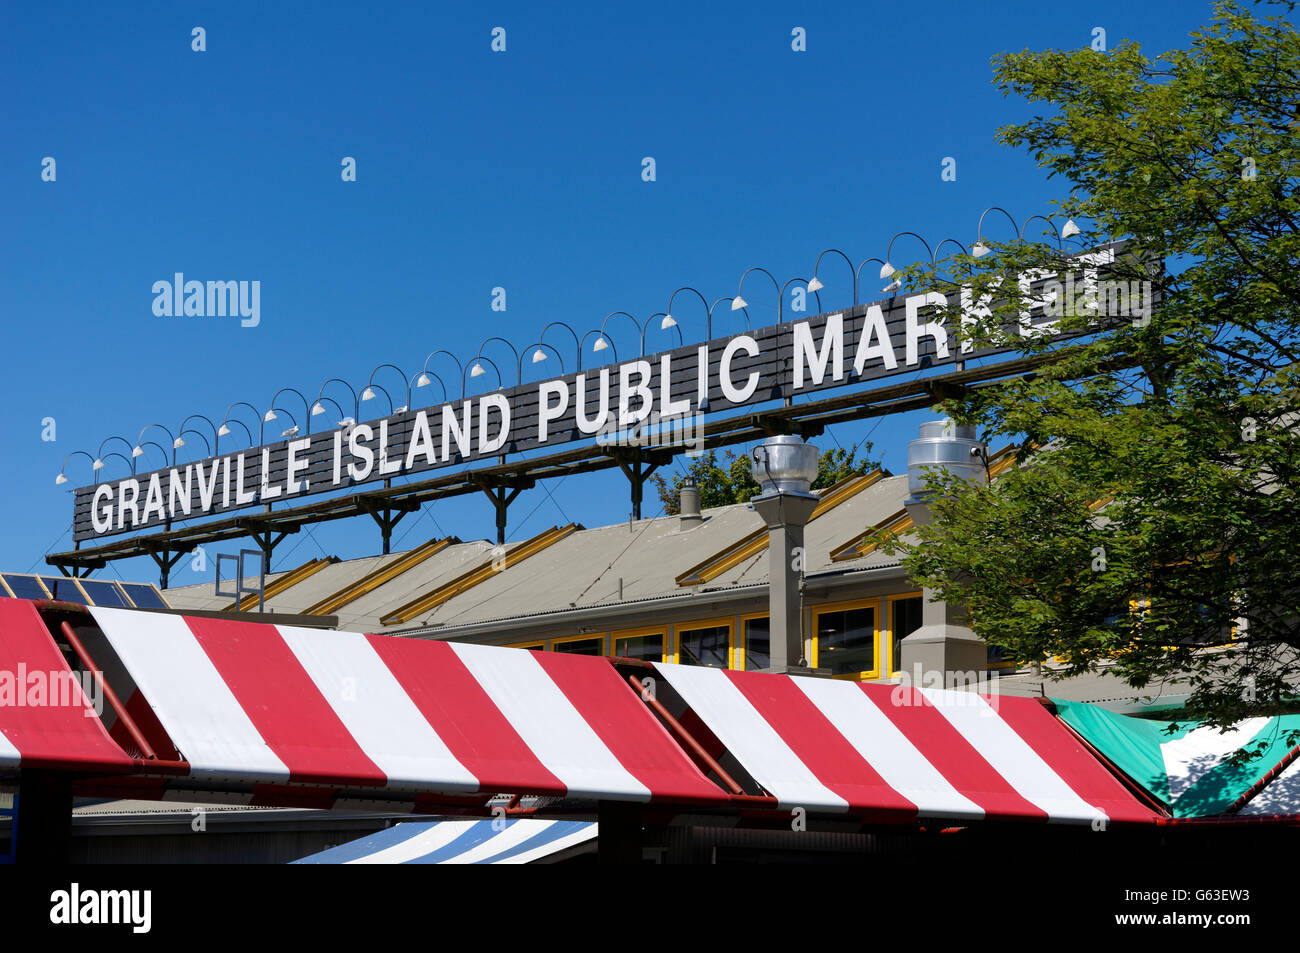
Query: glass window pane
{"type": "Point", "coordinates": [997, 655]}
{"type": "Point", "coordinates": [104, 593]}
{"type": "Point", "coordinates": [707, 647]}
{"type": "Point", "coordinates": [758, 633]}
{"type": "Point", "coordinates": [594, 646]}
{"type": "Point", "coordinates": [63, 589]}
{"type": "Point", "coordinates": [26, 587]}
{"type": "Point", "coordinates": [906, 620]}
{"type": "Point", "coordinates": [649, 648]}
{"type": "Point", "coordinates": [847, 640]}
{"type": "Point", "coordinates": [144, 596]}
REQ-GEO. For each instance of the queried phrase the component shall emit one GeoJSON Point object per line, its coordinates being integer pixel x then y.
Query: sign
{"type": "Point", "coordinates": [668, 390]}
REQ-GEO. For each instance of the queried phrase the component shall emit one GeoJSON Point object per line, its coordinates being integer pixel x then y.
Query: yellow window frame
{"type": "Point", "coordinates": [588, 637]}
{"type": "Point", "coordinates": [742, 641]}
{"type": "Point", "coordinates": [877, 604]}
{"type": "Point", "coordinates": [729, 622]}
{"type": "Point", "coordinates": [890, 664]}
{"type": "Point", "coordinates": [536, 644]}
{"type": "Point", "coordinates": [665, 631]}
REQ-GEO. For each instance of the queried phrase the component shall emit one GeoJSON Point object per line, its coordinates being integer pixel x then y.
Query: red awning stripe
{"type": "Point", "coordinates": [46, 719]}
{"type": "Point", "coordinates": [623, 723]}
{"type": "Point", "coordinates": [463, 716]}
{"type": "Point", "coordinates": [962, 764]}
{"type": "Point", "coordinates": [835, 745]}
{"type": "Point", "coordinates": [1074, 763]}
{"type": "Point", "coordinates": [283, 703]}
{"type": "Point", "coordinates": [826, 752]}
{"type": "Point", "coordinates": [268, 705]}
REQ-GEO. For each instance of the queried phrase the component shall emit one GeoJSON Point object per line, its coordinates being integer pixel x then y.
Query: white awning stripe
{"type": "Point", "coordinates": [9, 755]}
{"type": "Point", "coordinates": [376, 711]}
{"type": "Point", "coordinates": [1280, 796]}
{"type": "Point", "coordinates": [584, 833]}
{"type": "Point", "coordinates": [1010, 755]}
{"type": "Point", "coordinates": [548, 723]}
{"type": "Point", "coordinates": [889, 752]}
{"type": "Point", "coordinates": [748, 736]}
{"type": "Point", "coordinates": [435, 838]}
{"type": "Point", "coordinates": [461, 841]}
{"type": "Point", "coordinates": [195, 706]}
{"type": "Point", "coordinates": [1200, 751]}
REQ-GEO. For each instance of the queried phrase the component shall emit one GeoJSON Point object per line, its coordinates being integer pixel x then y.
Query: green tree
{"type": "Point", "coordinates": [1152, 520]}
{"type": "Point", "coordinates": [731, 479]}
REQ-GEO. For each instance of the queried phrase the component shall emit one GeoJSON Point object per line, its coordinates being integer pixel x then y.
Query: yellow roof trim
{"type": "Point", "coordinates": [859, 545]}
{"type": "Point", "coordinates": [287, 581]}
{"type": "Point", "coordinates": [386, 573]}
{"type": "Point", "coordinates": [486, 570]}
{"type": "Point", "coordinates": [751, 545]}
{"type": "Point", "coordinates": [721, 561]}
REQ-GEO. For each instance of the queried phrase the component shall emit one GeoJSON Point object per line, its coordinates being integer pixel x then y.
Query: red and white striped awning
{"type": "Point", "coordinates": [257, 704]}
{"type": "Point", "coordinates": [831, 745]}
{"type": "Point", "coordinates": [279, 714]}
{"type": "Point", "coordinates": [46, 720]}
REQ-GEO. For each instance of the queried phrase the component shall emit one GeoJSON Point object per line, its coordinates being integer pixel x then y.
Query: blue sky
{"type": "Point", "coordinates": [475, 170]}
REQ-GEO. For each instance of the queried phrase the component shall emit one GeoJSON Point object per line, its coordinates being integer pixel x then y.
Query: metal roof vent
{"type": "Point", "coordinates": [943, 445]}
{"type": "Point", "coordinates": [785, 464]}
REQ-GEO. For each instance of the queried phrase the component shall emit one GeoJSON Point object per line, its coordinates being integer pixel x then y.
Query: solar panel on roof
{"type": "Point", "coordinates": [26, 587]}
{"type": "Point", "coordinates": [64, 589]}
{"type": "Point", "coordinates": [144, 596]}
{"type": "Point", "coordinates": [104, 593]}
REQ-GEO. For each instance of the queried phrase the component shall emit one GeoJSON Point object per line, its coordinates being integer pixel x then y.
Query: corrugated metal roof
{"type": "Point", "coordinates": [604, 566]}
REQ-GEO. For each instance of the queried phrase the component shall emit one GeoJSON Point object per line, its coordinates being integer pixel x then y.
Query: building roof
{"type": "Point", "coordinates": [577, 568]}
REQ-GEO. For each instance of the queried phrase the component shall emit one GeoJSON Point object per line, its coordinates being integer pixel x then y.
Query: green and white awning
{"type": "Point", "coordinates": [1191, 770]}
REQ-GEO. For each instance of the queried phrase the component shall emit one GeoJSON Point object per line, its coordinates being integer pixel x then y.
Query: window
{"type": "Point", "coordinates": [904, 619]}
{"type": "Point", "coordinates": [644, 644]}
{"type": "Point", "coordinates": [758, 634]}
{"type": "Point", "coordinates": [580, 645]}
{"type": "Point", "coordinates": [703, 644]}
{"type": "Point", "coordinates": [844, 638]}
{"type": "Point", "coordinates": [531, 646]}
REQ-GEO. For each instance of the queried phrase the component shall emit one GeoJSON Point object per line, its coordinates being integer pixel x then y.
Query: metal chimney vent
{"type": "Point", "coordinates": [943, 445]}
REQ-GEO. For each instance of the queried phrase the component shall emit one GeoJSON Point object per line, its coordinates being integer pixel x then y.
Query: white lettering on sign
{"type": "Point", "coordinates": [421, 443]}
{"type": "Point", "coordinates": [874, 342]}
{"type": "Point", "coordinates": [294, 466]}
{"type": "Point", "coordinates": [588, 425]}
{"type": "Point", "coordinates": [737, 395]}
{"type": "Point", "coordinates": [831, 351]}
{"type": "Point", "coordinates": [641, 390]}
{"type": "Point", "coordinates": [807, 354]}
{"type": "Point", "coordinates": [932, 329]}
{"type": "Point", "coordinates": [557, 391]}
{"type": "Point", "coordinates": [486, 405]}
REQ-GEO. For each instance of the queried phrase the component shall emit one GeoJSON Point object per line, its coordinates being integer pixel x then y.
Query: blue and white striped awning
{"type": "Point", "coordinates": [460, 841]}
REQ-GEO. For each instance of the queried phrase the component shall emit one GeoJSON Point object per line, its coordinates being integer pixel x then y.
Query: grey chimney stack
{"type": "Point", "coordinates": [689, 506]}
